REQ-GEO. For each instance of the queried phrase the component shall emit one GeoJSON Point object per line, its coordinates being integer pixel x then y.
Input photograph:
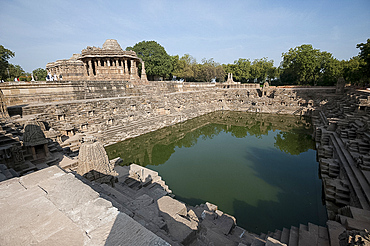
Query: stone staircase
{"type": "Point", "coordinates": [355, 175]}
{"type": "Point", "coordinates": [129, 129]}
{"type": "Point", "coordinates": [304, 235]}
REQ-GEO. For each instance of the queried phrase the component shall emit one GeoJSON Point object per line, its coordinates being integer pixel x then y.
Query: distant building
{"type": "Point", "coordinates": [107, 63]}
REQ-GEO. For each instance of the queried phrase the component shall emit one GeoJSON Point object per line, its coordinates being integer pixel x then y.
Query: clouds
{"type": "Point", "coordinates": [43, 31]}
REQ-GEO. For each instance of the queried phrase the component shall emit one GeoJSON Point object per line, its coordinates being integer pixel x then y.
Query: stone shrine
{"type": "Point", "coordinates": [93, 162]}
{"type": "Point", "coordinates": [107, 63]}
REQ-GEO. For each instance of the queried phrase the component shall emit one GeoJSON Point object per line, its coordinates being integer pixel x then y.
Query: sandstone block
{"type": "Point", "coordinates": [171, 206]}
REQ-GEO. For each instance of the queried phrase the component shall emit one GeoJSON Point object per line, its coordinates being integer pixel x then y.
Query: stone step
{"type": "Point", "coordinates": [258, 242]}
{"type": "Point", "coordinates": [303, 227]}
{"type": "Point", "coordinates": [293, 236]}
{"type": "Point", "coordinates": [323, 237]}
{"type": "Point", "coordinates": [355, 176]}
{"type": "Point", "coordinates": [285, 236]}
{"type": "Point", "coordinates": [277, 234]}
{"type": "Point", "coordinates": [334, 229]}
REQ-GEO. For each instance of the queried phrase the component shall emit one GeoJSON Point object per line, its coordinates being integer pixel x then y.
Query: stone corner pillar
{"type": "Point", "coordinates": [132, 70]}
{"type": "Point", "coordinates": [143, 73]}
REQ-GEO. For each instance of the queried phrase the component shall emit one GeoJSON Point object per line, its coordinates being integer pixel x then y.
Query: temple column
{"type": "Point", "coordinates": [97, 63]}
{"type": "Point", "coordinates": [126, 68]}
{"type": "Point", "coordinates": [108, 63]}
{"type": "Point", "coordinates": [46, 149]}
{"type": "Point", "coordinates": [143, 73]}
{"type": "Point", "coordinates": [33, 150]}
{"type": "Point", "coordinates": [85, 70]}
{"type": "Point", "coordinates": [90, 68]}
{"type": "Point", "coordinates": [132, 70]}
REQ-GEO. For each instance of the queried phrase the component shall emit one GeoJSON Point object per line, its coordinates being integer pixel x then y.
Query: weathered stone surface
{"type": "Point", "coordinates": [141, 201]}
{"type": "Point", "coordinates": [94, 63]}
{"type": "Point", "coordinates": [62, 210]}
{"type": "Point", "coordinates": [170, 206]}
{"type": "Point", "coordinates": [33, 135]}
{"type": "Point", "coordinates": [92, 156]}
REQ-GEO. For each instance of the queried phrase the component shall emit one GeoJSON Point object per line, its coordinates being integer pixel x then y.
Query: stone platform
{"type": "Point", "coordinates": [52, 207]}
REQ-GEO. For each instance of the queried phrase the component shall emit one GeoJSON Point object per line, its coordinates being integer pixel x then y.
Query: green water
{"type": "Point", "coordinates": [259, 168]}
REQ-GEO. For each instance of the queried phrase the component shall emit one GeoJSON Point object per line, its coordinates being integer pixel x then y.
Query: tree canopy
{"type": "Point", "coordinates": [157, 62]}
{"type": "Point", "coordinates": [5, 55]}
{"type": "Point", "coordinates": [39, 74]}
{"type": "Point", "coordinates": [183, 67]}
{"type": "Point", "coordinates": [244, 70]}
{"type": "Point", "coordinates": [306, 65]}
{"type": "Point", "coordinates": [365, 57]}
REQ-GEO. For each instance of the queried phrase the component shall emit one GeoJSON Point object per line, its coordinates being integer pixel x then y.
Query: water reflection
{"type": "Point", "coordinates": [155, 148]}
{"type": "Point", "coordinates": [260, 168]}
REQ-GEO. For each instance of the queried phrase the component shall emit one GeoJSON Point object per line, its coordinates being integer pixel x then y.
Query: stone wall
{"type": "Point", "coordinates": [147, 108]}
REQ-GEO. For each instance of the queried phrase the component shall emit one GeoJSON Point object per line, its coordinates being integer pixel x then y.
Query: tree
{"type": "Point", "coordinates": [293, 142]}
{"type": "Point", "coordinates": [16, 71]}
{"type": "Point", "coordinates": [365, 57]}
{"type": "Point", "coordinates": [350, 70]}
{"type": "Point", "coordinates": [39, 74]}
{"type": "Point", "coordinates": [300, 65]}
{"type": "Point", "coordinates": [5, 55]}
{"type": "Point", "coordinates": [261, 69]}
{"type": "Point", "coordinates": [208, 70]}
{"type": "Point", "coordinates": [157, 62]}
{"type": "Point", "coordinates": [182, 67]}
{"type": "Point", "coordinates": [329, 69]}
{"type": "Point", "coordinates": [240, 70]}
{"type": "Point", "coordinates": [306, 65]}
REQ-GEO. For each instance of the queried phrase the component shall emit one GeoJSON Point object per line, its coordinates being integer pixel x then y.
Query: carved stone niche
{"type": "Point", "coordinates": [93, 162]}
{"type": "Point", "coordinates": [35, 142]}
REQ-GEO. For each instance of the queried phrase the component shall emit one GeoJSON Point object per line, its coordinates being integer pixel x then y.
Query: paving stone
{"type": "Point", "coordinates": [123, 231]}
{"type": "Point", "coordinates": [171, 206]}
{"type": "Point", "coordinates": [61, 210]}
{"type": "Point", "coordinates": [35, 177]}
{"type": "Point", "coordinates": [141, 201]}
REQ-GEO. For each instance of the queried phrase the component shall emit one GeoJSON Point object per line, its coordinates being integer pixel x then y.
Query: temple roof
{"type": "Point", "coordinates": [111, 44]}
{"type": "Point", "coordinates": [110, 48]}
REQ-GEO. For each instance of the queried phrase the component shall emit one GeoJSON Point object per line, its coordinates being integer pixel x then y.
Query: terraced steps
{"type": "Point", "coordinates": [304, 235]}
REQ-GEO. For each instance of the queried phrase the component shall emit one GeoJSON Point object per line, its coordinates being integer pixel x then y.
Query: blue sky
{"type": "Point", "coordinates": [44, 31]}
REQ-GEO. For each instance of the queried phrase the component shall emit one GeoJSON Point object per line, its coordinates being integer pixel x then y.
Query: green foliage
{"type": "Point", "coordinates": [208, 70]}
{"type": "Point", "coordinates": [245, 71]}
{"type": "Point", "coordinates": [261, 69]}
{"type": "Point", "coordinates": [157, 62]}
{"type": "Point", "coordinates": [351, 70]}
{"type": "Point", "coordinates": [305, 65]}
{"type": "Point", "coordinates": [183, 67]}
{"type": "Point", "coordinates": [240, 70]}
{"type": "Point", "coordinates": [40, 74]}
{"type": "Point", "coordinates": [16, 71]}
{"type": "Point", "coordinates": [5, 55]}
{"type": "Point", "coordinates": [293, 142]}
{"type": "Point", "coordinates": [365, 57]}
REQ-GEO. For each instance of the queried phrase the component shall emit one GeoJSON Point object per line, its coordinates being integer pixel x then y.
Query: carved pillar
{"type": "Point", "coordinates": [90, 69]}
{"type": "Point", "coordinates": [47, 153]}
{"type": "Point", "coordinates": [126, 68]}
{"type": "Point", "coordinates": [143, 73]}
{"type": "Point", "coordinates": [132, 70]}
{"type": "Point", "coordinates": [85, 69]}
{"type": "Point", "coordinates": [108, 62]}
{"type": "Point", "coordinates": [34, 156]}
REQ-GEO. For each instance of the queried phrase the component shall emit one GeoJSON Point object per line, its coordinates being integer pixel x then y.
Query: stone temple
{"type": "Point", "coordinates": [107, 63]}
{"type": "Point", "coordinates": [58, 187]}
